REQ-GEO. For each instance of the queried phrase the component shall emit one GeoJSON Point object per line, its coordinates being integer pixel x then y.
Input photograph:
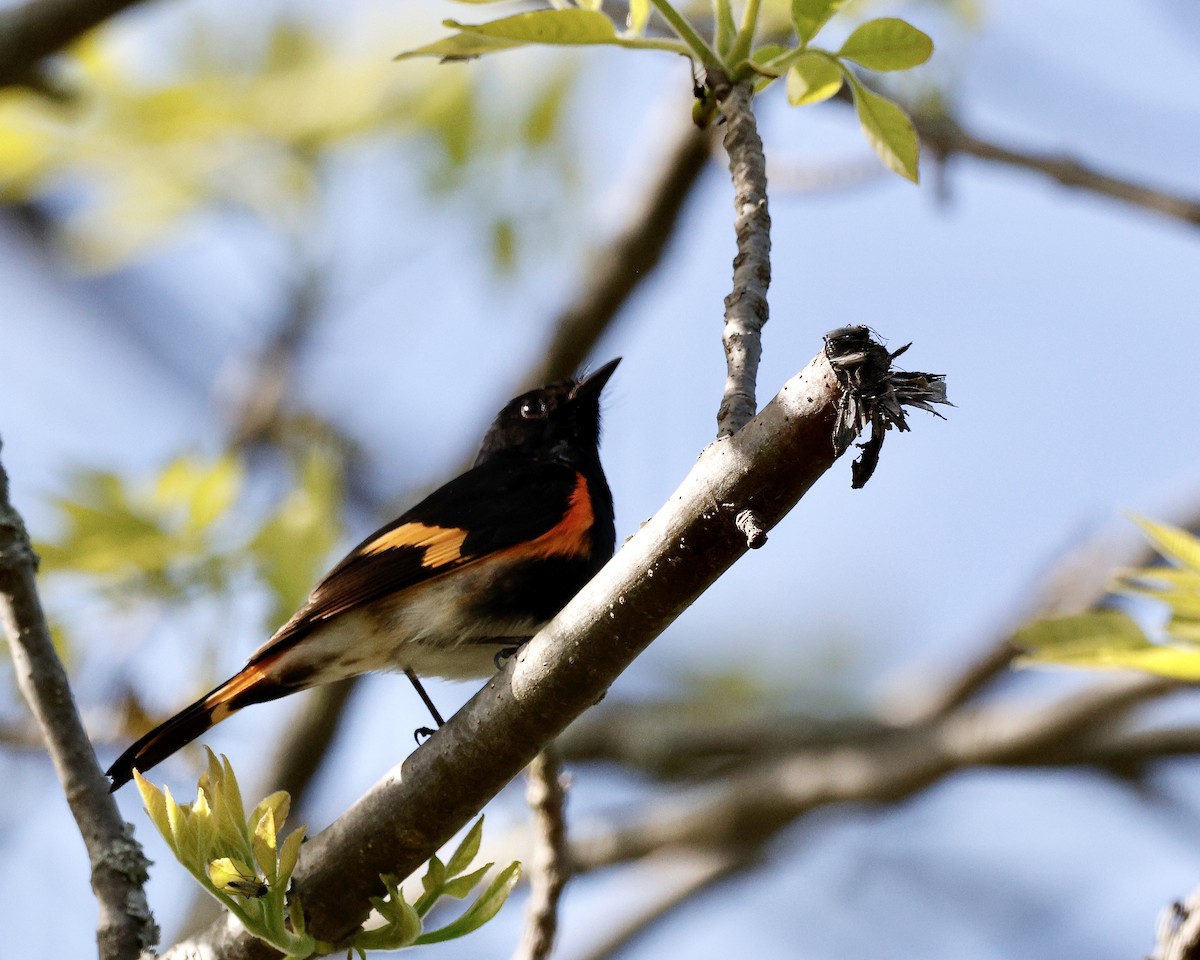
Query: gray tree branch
{"type": "Point", "coordinates": [567, 667]}
{"type": "Point", "coordinates": [746, 308]}
{"type": "Point", "coordinates": [125, 927]}
{"type": "Point", "coordinates": [743, 812]}
{"type": "Point", "coordinates": [946, 137]}
{"type": "Point", "coordinates": [550, 865]}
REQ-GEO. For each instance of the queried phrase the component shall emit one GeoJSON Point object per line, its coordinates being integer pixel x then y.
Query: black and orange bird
{"type": "Point", "coordinates": [475, 568]}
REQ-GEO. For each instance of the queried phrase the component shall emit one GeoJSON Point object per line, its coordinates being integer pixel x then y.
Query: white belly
{"type": "Point", "coordinates": [423, 633]}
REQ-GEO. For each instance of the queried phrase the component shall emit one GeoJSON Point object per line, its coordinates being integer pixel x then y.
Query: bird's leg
{"type": "Point", "coordinates": [423, 732]}
{"type": "Point", "coordinates": [513, 644]}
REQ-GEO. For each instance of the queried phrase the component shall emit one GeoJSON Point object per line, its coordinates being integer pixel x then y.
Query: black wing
{"type": "Point", "coordinates": [517, 504]}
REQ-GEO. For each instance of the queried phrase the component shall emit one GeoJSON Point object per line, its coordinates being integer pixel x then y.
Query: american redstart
{"type": "Point", "coordinates": [475, 568]}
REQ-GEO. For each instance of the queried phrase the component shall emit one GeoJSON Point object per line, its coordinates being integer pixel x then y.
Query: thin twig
{"type": "Point", "coordinates": [1092, 729]}
{"type": "Point", "coordinates": [746, 305]}
{"type": "Point", "coordinates": [550, 863]}
{"type": "Point", "coordinates": [126, 926]}
{"type": "Point", "coordinates": [678, 878]}
{"type": "Point", "coordinates": [946, 137]}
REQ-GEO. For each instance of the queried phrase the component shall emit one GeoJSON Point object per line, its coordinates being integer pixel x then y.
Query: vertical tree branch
{"type": "Point", "coordinates": [551, 864]}
{"type": "Point", "coordinates": [746, 305]}
{"type": "Point", "coordinates": [125, 927]}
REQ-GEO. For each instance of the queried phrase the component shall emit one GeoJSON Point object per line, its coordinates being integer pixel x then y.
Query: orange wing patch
{"type": "Point", "coordinates": [571, 536]}
{"type": "Point", "coordinates": [442, 545]}
{"type": "Point", "coordinates": [219, 700]}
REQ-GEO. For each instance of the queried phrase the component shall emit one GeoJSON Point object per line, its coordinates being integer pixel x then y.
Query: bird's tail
{"type": "Point", "coordinates": [250, 685]}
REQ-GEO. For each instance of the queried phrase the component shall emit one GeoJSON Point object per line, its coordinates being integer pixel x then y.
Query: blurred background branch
{"type": "Point", "coordinates": [35, 29]}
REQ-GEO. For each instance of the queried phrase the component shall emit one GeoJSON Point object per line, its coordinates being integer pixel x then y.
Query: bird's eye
{"type": "Point", "coordinates": [533, 409]}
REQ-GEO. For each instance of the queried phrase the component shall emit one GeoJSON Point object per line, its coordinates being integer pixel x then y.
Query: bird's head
{"type": "Point", "coordinates": [557, 421]}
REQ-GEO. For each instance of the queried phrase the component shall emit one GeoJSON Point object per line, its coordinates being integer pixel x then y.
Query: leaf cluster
{"type": "Point", "coordinates": [247, 864]}
{"type": "Point", "coordinates": [128, 158]}
{"type": "Point", "coordinates": [188, 534]}
{"type": "Point", "coordinates": [240, 860]}
{"type": "Point", "coordinates": [813, 74]}
{"type": "Point", "coordinates": [403, 922]}
{"type": "Point", "coordinates": [1108, 639]}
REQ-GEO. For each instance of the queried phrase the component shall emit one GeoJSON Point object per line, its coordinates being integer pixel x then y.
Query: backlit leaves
{"type": "Point", "coordinates": [175, 539]}
{"type": "Point", "coordinates": [813, 75]}
{"type": "Point", "coordinates": [887, 44]}
{"type": "Point", "coordinates": [809, 16]}
{"type": "Point", "coordinates": [247, 864]}
{"type": "Point", "coordinates": [559, 27]}
{"type": "Point", "coordinates": [239, 860]}
{"type": "Point", "coordinates": [887, 129]}
{"type": "Point", "coordinates": [237, 126]}
{"type": "Point", "coordinates": [812, 78]}
{"type": "Point", "coordinates": [1108, 639]}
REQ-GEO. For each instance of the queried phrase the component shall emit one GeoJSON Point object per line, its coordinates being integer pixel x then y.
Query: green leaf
{"type": "Point", "coordinates": [639, 14]}
{"type": "Point", "coordinates": [179, 835]}
{"type": "Point", "coordinates": [264, 845]}
{"type": "Point", "coordinates": [431, 884]}
{"type": "Point", "coordinates": [280, 802]}
{"type": "Point", "coordinates": [206, 491]}
{"type": "Point", "coordinates": [1171, 542]}
{"type": "Point", "coordinates": [459, 887]}
{"type": "Point", "coordinates": [812, 78]}
{"type": "Point", "coordinates": [402, 924]}
{"type": "Point", "coordinates": [1105, 639]}
{"type": "Point", "coordinates": [466, 851]}
{"type": "Point", "coordinates": [887, 129]}
{"type": "Point", "coordinates": [291, 547]}
{"type": "Point", "coordinates": [809, 16]}
{"type": "Point", "coordinates": [155, 803]}
{"type": "Point", "coordinates": [545, 113]}
{"type": "Point", "coordinates": [1080, 635]}
{"type": "Point", "coordinates": [435, 876]}
{"type": "Point", "coordinates": [481, 911]}
{"type": "Point", "coordinates": [768, 52]}
{"type": "Point", "coordinates": [559, 27]}
{"type": "Point", "coordinates": [888, 43]}
{"type": "Point", "coordinates": [218, 792]}
{"type": "Point", "coordinates": [460, 46]}
{"type": "Point", "coordinates": [289, 854]}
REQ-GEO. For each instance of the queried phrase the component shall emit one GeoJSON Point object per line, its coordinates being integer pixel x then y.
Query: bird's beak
{"type": "Point", "coordinates": [593, 383]}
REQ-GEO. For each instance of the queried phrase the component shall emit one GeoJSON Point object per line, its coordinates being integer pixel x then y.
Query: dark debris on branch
{"type": "Point", "coordinates": [875, 395]}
